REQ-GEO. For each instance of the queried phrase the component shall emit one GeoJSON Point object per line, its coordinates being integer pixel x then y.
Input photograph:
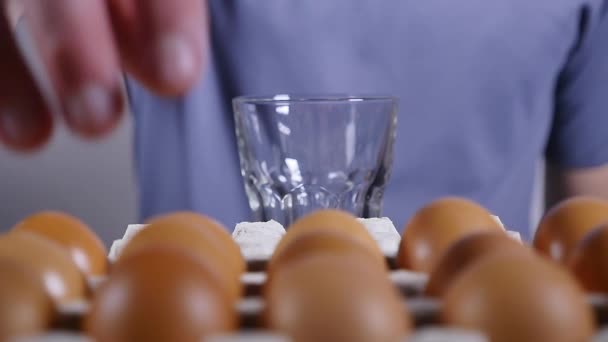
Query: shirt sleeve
{"type": "Point", "coordinates": [579, 132]}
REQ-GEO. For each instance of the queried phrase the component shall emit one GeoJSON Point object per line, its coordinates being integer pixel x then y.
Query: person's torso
{"type": "Point", "coordinates": [475, 80]}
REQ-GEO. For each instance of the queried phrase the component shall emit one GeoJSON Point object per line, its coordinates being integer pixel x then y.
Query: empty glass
{"type": "Point", "coordinates": [299, 153]}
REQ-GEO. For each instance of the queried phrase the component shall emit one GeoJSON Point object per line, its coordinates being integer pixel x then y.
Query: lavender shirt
{"type": "Point", "coordinates": [486, 88]}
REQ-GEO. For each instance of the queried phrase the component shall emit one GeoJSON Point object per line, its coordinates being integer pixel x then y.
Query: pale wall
{"type": "Point", "coordinates": [91, 180]}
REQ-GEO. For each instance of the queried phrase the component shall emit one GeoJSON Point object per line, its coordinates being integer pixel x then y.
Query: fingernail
{"type": "Point", "coordinates": [90, 107]}
{"type": "Point", "coordinates": [14, 126]}
{"type": "Point", "coordinates": [177, 59]}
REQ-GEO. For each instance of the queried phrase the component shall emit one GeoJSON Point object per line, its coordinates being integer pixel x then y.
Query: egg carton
{"type": "Point", "coordinates": [257, 241]}
{"type": "Point", "coordinates": [427, 334]}
{"type": "Point", "coordinates": [424, 311]}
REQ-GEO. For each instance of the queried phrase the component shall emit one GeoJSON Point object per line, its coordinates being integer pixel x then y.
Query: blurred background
{"type": "Point", "coordinates": [92, 180]}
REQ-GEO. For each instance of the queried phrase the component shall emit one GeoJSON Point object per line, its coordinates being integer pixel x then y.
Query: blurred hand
{"type": "Point", "coordinates": [84, 45]}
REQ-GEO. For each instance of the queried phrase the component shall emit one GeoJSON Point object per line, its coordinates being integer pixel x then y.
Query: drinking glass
{"type": "Point", "coordinates": [303, 153]}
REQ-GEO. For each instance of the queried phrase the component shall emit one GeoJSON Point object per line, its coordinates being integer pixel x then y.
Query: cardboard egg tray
{"type": "Point", "coordinates": [257, 241]}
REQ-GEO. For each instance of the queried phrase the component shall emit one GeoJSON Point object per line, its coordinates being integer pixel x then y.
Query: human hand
{"type": "Point", "coordinates": [83, 46]}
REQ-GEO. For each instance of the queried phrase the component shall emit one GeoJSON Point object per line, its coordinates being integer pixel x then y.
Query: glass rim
{"type": "Point", "coordinates": [312, 98]}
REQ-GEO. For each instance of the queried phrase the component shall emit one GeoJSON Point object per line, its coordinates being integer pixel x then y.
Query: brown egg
{"type": "Point", "coordinates": [191, 240]}
{"type": "Point", "coordinates": [464, 253]}
{"type": "Point", "coordinates": [521, 297]}
{"type": "Point", "coordinates": [564, 225]}
{"type": "Point", "coordinates": [335, 298]}
{"type": "Point", "coordinates": [212, 229]}
{"type": "Point", "coordinates": [52, 264]}
{"type": "Point", "coordinates": [85, 247]}
{"type": "Point", "coordinates": [159, 294]}
{"type": "Point", "coordinates": [315, 242]}
{"type": "Point", "coordinates": [436, 226]}
{"type": "Point", "coordinates": [589, 260]}
{"type": "Point", "coordinates": [330, 219]}
{"type": "Point", "coordinates": [25, 308]}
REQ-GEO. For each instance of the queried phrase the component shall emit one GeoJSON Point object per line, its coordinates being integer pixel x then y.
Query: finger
{"type": "Point", "coordinates": [76, 45]}
{"type": "Point", "coordinates": [25, 121]}
{"type": "Point", "coordinates": [162, 42]}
